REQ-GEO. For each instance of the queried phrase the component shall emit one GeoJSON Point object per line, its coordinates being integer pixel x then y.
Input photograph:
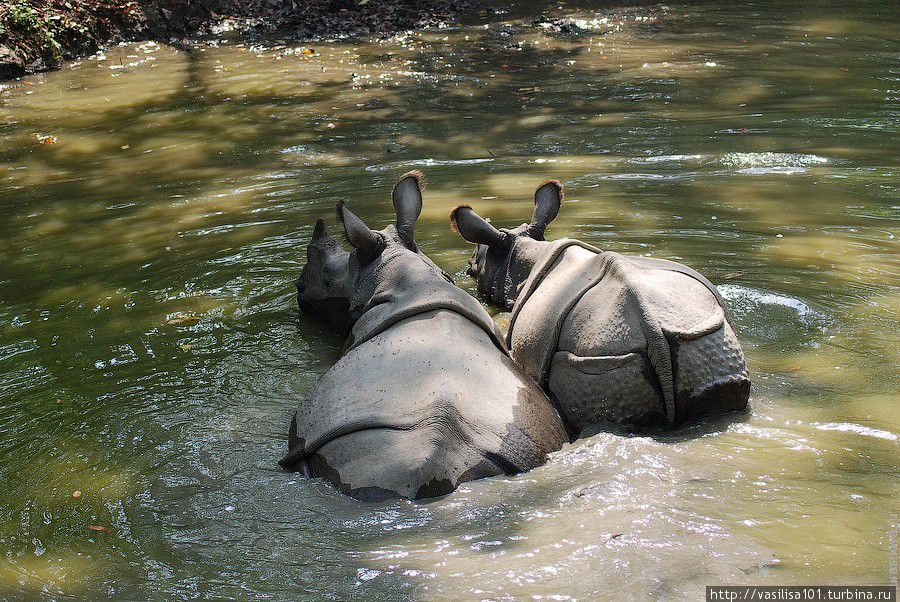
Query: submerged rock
{"type": "Point", "coordinates": [11, 63]}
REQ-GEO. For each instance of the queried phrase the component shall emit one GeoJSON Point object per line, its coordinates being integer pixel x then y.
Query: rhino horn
{"type": "Point", "coordinates": [320, 232]}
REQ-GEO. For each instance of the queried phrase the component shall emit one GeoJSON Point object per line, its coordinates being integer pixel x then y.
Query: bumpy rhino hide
{"type": "Point", "coordinates": [411, 293]}
{"type": "Point", "coordinates": [424, 398]}
{"type": "Point", "coordinates": [626, 340]}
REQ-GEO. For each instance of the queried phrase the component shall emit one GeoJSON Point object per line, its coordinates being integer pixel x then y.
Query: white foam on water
{"type": "Point", "coordinates": [641, 176]}
{"type": "Point", "coordinates": [428, 163]}
{"type": "Point", "coordinates": [756, 171]}
{"type": "Point", "coordinates": [741, 295]}
{"type": "Point", "coordinates": [856, 429]}
{"type": "Point", "coordinates": [771, 163]}
{"type": "Point", "coordinates": [788, 439]}
{"type": "Point", "coordinates": [668, 159]}
{"type": "Point", "coordinates": [545, 160]}
{"type": "Point", "coordinates": [295, 150]}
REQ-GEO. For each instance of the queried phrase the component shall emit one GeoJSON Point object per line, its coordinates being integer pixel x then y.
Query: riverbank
{"type": "Point", "coordinates": [41, 35]}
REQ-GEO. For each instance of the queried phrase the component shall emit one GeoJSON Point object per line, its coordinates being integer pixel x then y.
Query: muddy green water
{"type": "Point", "coordinates": [151, 352]}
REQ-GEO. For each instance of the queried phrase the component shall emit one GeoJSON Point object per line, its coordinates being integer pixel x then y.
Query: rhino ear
{"type": "Point", "coordinates": [364, 240]}
{"type": "Point", "coordinates": [547, 200]}
{"type": "Point", "coordinates": [475, 229]}
{"type": "Point", "coordinates": [407, 197]}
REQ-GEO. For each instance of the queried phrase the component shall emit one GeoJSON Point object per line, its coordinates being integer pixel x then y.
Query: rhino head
{"type": "Point", "coordinates": [322, 285]}
{"type": "Point", "coordinates": [386, 261]}
{"type": "Point", "coordinates": [503, 258]}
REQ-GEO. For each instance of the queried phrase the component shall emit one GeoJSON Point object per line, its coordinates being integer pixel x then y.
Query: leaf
{"type": "Point", "coordinates": [45, 138]}
{"type": "Point", "coordinates": [183, 320]}
{"type": "Point", "coordinates": [98, 528]}
{"type": "Point", "coordinates": [732, 275]}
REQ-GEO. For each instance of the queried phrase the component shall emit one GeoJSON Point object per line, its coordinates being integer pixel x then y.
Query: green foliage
{"type": "Point", "coordinates": [24, 17]}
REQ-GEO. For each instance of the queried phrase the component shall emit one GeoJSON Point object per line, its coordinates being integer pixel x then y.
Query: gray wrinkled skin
{"type": "Point", "coordinates": [322, 285]}
{"type": "Point", "coordinates": [631, 341]}
{"type": "Point", "coordinates": [425, 396]}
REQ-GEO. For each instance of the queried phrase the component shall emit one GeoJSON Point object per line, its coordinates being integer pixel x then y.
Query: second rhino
{"type": "Point", "coordinates": [632, 341]}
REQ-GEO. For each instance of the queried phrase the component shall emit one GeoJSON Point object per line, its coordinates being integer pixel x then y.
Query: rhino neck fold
{"type": "Point", "coordinates": [525, 254]}
{"type": "Point", "coordinates": [551, 252]}
{"type": "Point", "coordinates": [408, 286]}
{"type": "Point", "coordinates": [537, 259]}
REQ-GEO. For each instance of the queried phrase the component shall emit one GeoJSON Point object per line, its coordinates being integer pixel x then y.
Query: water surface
{"type": "Point", "coordinates": [151, 352]}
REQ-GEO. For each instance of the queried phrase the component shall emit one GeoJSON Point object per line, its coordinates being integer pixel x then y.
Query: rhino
{"type": "Point", "coordinates": [614, 340]}
{"type": "Point", "coordinates": [424, 396]}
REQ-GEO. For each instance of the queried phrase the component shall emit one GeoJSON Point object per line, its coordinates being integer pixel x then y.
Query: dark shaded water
{"type": "Point", "coordinates": [151, 352]}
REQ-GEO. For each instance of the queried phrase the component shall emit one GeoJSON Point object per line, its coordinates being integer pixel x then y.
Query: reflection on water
{"type": "Point", "coordinates": [151, 351]}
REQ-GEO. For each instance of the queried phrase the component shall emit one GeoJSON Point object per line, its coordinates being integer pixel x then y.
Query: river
{"type": "Point", "coordinates": [156, 208]}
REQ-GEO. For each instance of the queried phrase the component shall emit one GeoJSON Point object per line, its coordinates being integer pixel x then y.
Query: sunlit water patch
{"type": "Point", "coordinates": [757, 310]}
{"type": "Point", "coordinates": [771, 163]}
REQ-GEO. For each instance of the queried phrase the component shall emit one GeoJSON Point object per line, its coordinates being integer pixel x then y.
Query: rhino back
{"type": "Point", "coordinates": [610, 318]}
{"type": "Point", "coordinates": [640, 330]}
{"type": "Point", "coordinates": [427, 404]}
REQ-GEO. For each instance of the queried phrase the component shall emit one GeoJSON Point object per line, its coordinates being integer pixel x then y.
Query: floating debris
{"type": "Point", "coordinates": [45, 138]}
{"type": "Point", "coordinates": [183, 320]}
{"type": "Point", "coordinates": [299, 51]}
